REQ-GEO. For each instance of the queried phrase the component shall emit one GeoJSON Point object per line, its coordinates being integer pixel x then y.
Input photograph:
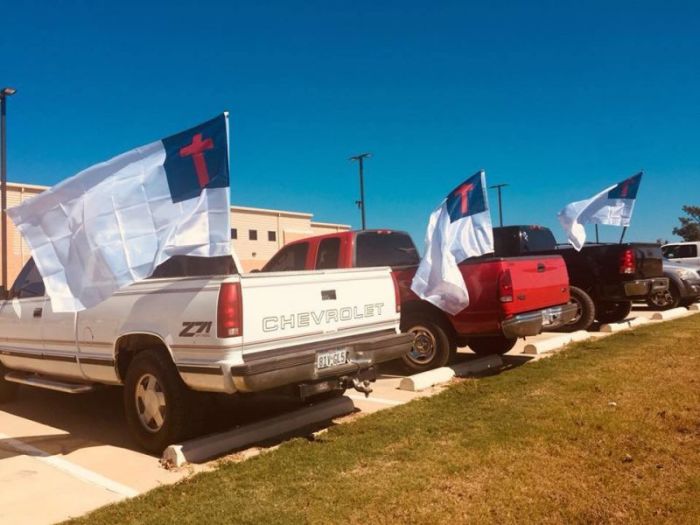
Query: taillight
{"type": "Point", "coordinates": [230, 311]}
{"type": "Point", "coordinates": [505, 287]}
{"type": "Point", "coordinates": [397, 292]}
{"type": "Point", "coordinates": [628, 261]}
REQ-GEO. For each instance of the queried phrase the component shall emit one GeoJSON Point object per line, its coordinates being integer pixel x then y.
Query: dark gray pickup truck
{"type": "Point", "coordinates": [604, 278]}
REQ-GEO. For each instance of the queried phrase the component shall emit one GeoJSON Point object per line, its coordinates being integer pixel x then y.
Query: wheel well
{"type": "Point", "coordinates": [129, 345]}
{"type": "Point", "coordinates": [424, 308]}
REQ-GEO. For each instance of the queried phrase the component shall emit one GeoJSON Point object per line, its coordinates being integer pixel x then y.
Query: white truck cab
{"type": "Point", "coordinates": [195, 327]}
{"type": "Point", "coordinates": [685, 253]}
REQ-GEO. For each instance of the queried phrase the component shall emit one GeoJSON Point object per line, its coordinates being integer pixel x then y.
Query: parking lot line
{"type": "Point", "coordinates": [72, 469]}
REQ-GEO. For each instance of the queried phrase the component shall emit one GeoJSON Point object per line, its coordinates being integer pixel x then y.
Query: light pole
{"type": "Point", "coordinates": [4, 93]}
{"type": "Point", "coordinates": [500, 209]}
{"type": "Point", "coordinates": [361, 203]}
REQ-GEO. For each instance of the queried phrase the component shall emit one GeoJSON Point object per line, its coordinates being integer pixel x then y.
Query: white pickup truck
{"type": "Point", "coordinates": [198, 326]}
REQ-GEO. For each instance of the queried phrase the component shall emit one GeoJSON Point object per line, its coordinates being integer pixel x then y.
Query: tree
{"type": "Point", "coordinates": [690, 225]}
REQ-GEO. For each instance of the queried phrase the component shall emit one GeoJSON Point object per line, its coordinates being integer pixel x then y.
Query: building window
{"type": "Point", "coordinates": [272, 236]}
{"type": "Point", "coordinates": [234, 233]}
{"type": "Point", "coordinates": [253, 235]}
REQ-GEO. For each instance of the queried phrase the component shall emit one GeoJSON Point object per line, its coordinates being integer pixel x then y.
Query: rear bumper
{"type": "Point", "coordinates": [532, 323]}
{"type": "Point", "coordinates": [633, 290]}
{"type": "Point", "coordinates": [263, 372]}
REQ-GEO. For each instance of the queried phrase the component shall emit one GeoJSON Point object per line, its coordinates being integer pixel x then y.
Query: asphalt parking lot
{"type": "Point", "coordinates": [63, 455]}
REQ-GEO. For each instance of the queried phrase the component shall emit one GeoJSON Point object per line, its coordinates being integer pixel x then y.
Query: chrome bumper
{"type": "Point", "coordinates": [532, 323]}
{"type": "Point", "coordinates": [295, 366]}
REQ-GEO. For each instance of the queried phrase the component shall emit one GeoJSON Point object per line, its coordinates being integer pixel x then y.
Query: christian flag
{"type": "Point", "coordinates": [459, 228]}
{"type": "Point", "coordinates": [612, 206]}
{"type": "Point", "coordinates": [113, 223]}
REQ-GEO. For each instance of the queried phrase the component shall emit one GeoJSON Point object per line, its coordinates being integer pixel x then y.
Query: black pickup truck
{"type": "Point", "coordinates": [604, 278]}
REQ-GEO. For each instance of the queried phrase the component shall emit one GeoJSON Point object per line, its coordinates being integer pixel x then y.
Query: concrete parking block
{"type": "Point", "coordinates": [424, 380]}
{"type": "Point", "coordinates": [202, 449]}
{"type": "Point", "coordinates": [548, 345]}
{"type": "Point", "coordinates": [580, 335]}
{"type": "Point", "coordinates": [477, 366]}
{"type": "Point", "coordinates": [673, 313]}
{"type": "Point", "coordinates": [694, 307]}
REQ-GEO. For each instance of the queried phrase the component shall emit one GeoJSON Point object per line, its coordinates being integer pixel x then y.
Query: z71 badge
{"type": "Point", "coordinates": [195, 328]}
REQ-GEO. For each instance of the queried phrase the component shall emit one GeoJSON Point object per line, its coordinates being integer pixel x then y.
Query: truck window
{"type": "Point", "coordinates": [680, 251]}
{"type": "Point", "coordinates": [191, 266]}
{"type": "Point", "coordinates": [328, 255]}
{"type": "Point", "coordinates": [537, 240]}
{"type": "Point", "coordinates": [384, 249]}
{"type": "Point", "coordinates": [289, 258]}
{"type": "Point", "coordinates": [29, 282]}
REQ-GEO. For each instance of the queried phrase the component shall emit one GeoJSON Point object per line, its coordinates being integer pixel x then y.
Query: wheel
{"type": "Point", "coordinates": [665, 300]}
{"type": "Point", "coordinates": [491, 345]}
{"type": "Point", "coordinates": [8, 390]}
{"type": "Point", "coordinates": [585, 311]}
{"type": "Point", "coordinates": [431, 347]}
{"type": "Point", "coordinates": [157, 403]}
{"type": "Point", "coordinates": [613, 312]}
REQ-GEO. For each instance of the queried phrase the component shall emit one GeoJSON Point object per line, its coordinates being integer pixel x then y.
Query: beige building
{"type": "Point", "coordinates": [256, 233]}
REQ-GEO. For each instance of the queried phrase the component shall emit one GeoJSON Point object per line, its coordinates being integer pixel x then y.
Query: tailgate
{"type": "Point", "coordinates": [538, 282]}
{"type": "Point", "coordinates": [289, 308]}
{"type": "Point", "coordinates": [649, 261]}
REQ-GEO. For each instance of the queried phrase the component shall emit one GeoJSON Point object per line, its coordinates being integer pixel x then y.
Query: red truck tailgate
{"type": "Point", "coordinates": [538, 282]}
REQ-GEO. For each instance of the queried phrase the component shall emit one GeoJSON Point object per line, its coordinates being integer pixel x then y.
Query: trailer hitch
{"type": "Point", "coordinates": [363, 386]}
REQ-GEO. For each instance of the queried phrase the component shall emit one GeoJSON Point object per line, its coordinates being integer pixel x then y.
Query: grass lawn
{"type": "Point", "coordinates": [605, 431]}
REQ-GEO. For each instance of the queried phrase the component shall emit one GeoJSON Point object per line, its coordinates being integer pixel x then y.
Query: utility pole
{"type": "Point", "coordinates": [500, 208]}
{"type": "Point", "coordinates": [361, 203]}
{"type": "Point", "coordinates": [4, 93]}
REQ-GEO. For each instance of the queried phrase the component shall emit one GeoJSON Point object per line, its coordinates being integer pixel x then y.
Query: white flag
{"type": "Point", "coordinates": [612, 206]}
{"type": "Point", "coordinates": [459, 228]}
{"type": "Point", "coordinates": [113, 223]}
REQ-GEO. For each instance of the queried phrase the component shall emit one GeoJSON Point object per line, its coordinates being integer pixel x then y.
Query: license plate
{"type": "Point", "coordinates": [331, 358]}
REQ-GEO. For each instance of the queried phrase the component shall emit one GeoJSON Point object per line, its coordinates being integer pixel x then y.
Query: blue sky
{"type": "Point", "coordinates": [558, 99]}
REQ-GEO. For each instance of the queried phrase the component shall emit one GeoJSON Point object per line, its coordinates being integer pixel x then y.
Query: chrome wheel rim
{"type": "Point", "coordinates": [579, 311]}
{"type": "Point", "coordinates": [150, 403]}
{"type": "Point", "coordinates": [662, 299]}
{"type": "Point", "coordinates": [424, 345]}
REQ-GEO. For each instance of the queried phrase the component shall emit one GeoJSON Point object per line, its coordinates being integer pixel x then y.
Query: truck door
{"type": "Point", "coordinates": [22, 321]}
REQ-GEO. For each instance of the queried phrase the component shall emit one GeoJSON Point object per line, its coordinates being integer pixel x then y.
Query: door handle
{"type": "Point", "coordinates": [38, 312]}
{"type": "Point", "coordinates": [541, 267]}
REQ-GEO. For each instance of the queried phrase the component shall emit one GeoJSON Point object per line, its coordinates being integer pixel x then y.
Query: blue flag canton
{"type": "Point", "coordinates": [466, 199]}
{"type": "Point", "coordinates": [196, 159]}
{"type": "Point", "coordinates": [627, 189]}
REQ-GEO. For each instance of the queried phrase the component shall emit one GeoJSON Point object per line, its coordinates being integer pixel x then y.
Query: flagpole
{"type": "Point", "coordinates": [624, 230]}
{"type": "Point", "coordinates": [4, 93]}
{"type": "Point", "coordinates": [596, 234]}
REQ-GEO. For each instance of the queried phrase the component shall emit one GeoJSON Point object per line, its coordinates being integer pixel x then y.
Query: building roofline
{"type": "Point", "coordinates": [25, 185]}
{"type": "Point", "coordinates": [330, 224]}
{"type": "Point", "coordinates": [270, 211]}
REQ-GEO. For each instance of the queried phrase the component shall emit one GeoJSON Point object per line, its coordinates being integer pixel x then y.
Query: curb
{"type": "Point", "coordinates": [555, 343]}
{"type": "Point", "coordinates": [624, 325]}
{"type": "Point", "coordinates": [694, 307]}
{"type": "Point", "coordinates": [201, 449]}
{"type": "Point", "coordinates": [418, 382]}
{"type": "Point", "coordinates": [673, 313]}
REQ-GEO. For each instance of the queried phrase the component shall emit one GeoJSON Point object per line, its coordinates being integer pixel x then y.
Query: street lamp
{"type": "Point", "coordinates": [361, 203]}
{"type": "Point", "coordinates": [500, 209]}
{"type": "Point", "coordinates": [4, 93]}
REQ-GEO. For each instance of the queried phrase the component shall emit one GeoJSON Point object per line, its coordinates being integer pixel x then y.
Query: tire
{"type": "Point", "coordinates": [8, 391]}
{"type": "Point", "coordinates": [665, 300]}
{"type": "Point", "coordinates": [431, 348]}
{"type": "Point", "coordinates": [613, 312]}
{"type": "Point", "coordinates": [584, 316]}
{"type": "Point", "coordinates": [157, 403]}
{"type": "Point", "coordinates": [491, 345]}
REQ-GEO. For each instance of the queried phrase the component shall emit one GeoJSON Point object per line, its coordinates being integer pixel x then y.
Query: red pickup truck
{"type": "Point", "coordinates": [509, 297]}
